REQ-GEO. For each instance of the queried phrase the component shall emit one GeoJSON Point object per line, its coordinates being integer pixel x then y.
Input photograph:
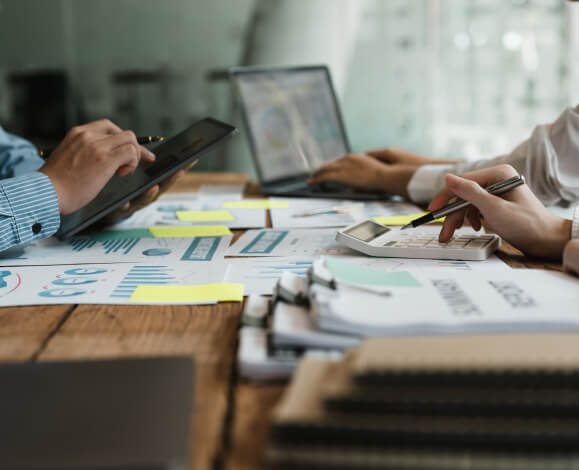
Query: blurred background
{"type": "Point", "coordinates": [447, 78]}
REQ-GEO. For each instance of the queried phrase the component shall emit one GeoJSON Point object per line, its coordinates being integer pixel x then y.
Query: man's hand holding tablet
{"type": "Point", "coordinates": [98, 169]}
{"type": "Point", "coordinates": [86, 159]}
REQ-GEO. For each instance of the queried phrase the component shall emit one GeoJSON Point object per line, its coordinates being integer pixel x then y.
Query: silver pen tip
{"type": "Point", "coordinates": [406, 226]}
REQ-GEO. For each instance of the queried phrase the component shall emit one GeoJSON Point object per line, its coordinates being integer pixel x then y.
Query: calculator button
{"type": "Point", "coordinates": [477, 244]}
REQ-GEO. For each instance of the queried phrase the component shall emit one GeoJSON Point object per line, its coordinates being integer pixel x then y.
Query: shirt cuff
{"type": "Point", "coordinates": [32, 204]}
{"type": "Point", "coordinates": [426, 182]}
{"type": "Point", "coordinates": [575, 223]}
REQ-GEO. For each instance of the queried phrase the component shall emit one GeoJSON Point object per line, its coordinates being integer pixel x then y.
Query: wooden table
{"type": "Point", "coordinates": [230, 416]}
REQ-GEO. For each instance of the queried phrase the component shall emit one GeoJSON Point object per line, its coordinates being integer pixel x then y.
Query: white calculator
{"type": "Point", "coordinates": [375, 239]}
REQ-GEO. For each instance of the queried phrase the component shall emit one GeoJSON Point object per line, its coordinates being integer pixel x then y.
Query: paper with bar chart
{"type": "Point", "coordinates": [306, 243]}
{"type": "Point", "coordinates": [117, 250]}
{"type": "Point", "coordinates": [260, 275]}
{"type": "Point", "coordinates": [98, 283]}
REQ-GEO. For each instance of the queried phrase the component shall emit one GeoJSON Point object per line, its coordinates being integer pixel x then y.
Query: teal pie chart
{"type": "Point", "coordinates": [157, 252]}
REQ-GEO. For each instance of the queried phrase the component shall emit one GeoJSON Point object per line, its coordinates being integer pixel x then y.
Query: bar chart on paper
{"type": "Point", "coordinates": [302, 243]}
{"type": "Point", "coordinates": [120, 249]}
{"type": "Point", "coordinates": [121, 246]}
{"type": "Point", "coordinates": [260, 275]}
{"type": "Point", "coordinates": [143, 275]}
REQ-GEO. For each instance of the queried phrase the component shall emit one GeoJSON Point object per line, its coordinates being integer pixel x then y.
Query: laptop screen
{"type": "Point", "coordinates": [293, 119]}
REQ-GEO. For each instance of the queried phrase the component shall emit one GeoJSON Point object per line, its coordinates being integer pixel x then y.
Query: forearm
{"type": "Point", "coordinates": [548, 159]}
{"type": "Point", "coordinates": [28, 209]}
{"type": "Point", "coordinates": [571, 252]}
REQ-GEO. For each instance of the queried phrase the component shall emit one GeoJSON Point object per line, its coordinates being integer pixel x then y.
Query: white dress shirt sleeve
{"type": "Point", "coordinates": [549, 160]}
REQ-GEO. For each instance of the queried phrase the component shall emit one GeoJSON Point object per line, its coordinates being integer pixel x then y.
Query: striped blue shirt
{"type": "Point", "coordinates": [28, 203]}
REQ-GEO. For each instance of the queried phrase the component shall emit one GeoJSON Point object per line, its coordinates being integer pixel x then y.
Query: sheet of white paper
{"type": "Point", "coordinates": [96, 283]}
{"type": "Point", "coordinates": [403, 264]}
{"type": "Point", "coordinates": [285, 218]}
{"type": "Point", "coordinates": [260, 275]}
{"type": "Point", "coordinates": [129, 250]}
{"type": "Point", "coordinates": [163, 213]}
{"type": "Point", "coordinates": [447, 301]}
{"type": "Point", "coordinates": [305, 242]}
{"type": "Point", "coordinates": [295, 243]}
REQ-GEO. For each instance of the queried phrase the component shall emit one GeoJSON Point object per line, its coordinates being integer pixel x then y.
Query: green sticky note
{"type": "Point", "coordinates": [190, 231]}
{"type": "Point", "coordinates": [216, 292]}
{"type": "Point", "coordinates": [256, 204]}
{"type": "Point", "coordinates": [402, 219]}
{"type": "Point", "coordinates": [204, 216]}
{"type": "Point", "coordinates": [122, 234]}
{"type": "Point", "coordinates": [350, 273]}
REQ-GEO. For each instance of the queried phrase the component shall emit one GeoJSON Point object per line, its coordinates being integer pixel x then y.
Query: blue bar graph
{"type": "Point", "coordinates": [80, 244]}
{"type": "Point", "coordinates": [275, 270]}
{"type": "Point", "coordinates": [124, 244]}
{"type": "Point", "coordinates": [142, 275]}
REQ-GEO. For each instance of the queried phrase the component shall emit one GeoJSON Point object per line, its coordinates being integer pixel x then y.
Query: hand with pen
{"type": "Point", "coordinates": [88, 157]}
{"type": "Point", "coordinates": [517, 215]}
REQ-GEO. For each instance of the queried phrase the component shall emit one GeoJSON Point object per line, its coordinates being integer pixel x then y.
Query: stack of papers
{"type": "Point", "coordinates": [343, 301]}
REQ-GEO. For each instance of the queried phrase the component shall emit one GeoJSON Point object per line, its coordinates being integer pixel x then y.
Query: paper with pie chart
{"type": "Point", "coordinates": [117, 250]}
{"type": "Point", "coordinates": [98, 283]}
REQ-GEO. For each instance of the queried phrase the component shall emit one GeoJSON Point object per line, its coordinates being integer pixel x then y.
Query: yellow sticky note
{"type": "Point", "coordinates": [204, 216]}
{"type": "Point", "coordinates": [216, 292]}
{"type": "Point", "coordinates": [190, 231]}
{"type": "Point", "coordinates": [401, 219]}
{"type": "Point", "coordinates": [256, 204]}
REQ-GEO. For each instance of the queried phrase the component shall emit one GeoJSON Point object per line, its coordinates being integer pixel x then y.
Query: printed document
{"type": "Point", "coordinates": [443, 301]}
{"type": "Point", "coordinates": [116, 250]}
{"type": "Point", "coordinates": [98, 283]}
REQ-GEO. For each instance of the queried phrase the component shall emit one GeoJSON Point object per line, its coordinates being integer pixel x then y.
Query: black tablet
{"type": "Point", "coordinates": [172, 155]}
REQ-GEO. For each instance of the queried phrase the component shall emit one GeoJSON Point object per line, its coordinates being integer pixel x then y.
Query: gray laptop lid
{"type": "Point", "coordinates": [112, 414]}
{"type": "Point", "coordinates": [292, 118]}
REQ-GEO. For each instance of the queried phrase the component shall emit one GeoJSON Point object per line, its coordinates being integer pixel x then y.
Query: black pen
{"type": "Point", "coordinates": [497, 188]}
{"type": "Point", "coordinates": [143, 140]}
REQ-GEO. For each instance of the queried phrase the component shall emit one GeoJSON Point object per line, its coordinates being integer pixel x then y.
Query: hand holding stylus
{"type": "Point", "coordinates": [517, 215]}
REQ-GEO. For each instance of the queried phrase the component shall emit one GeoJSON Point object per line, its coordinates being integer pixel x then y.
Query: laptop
{"type": "Point", "coordinates": [294, 126]}
{"type": "Point", "coordinates": [99, 415]}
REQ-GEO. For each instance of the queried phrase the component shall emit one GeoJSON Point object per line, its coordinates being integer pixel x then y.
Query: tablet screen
{"type": "Point", "coordinates": [172, 155]}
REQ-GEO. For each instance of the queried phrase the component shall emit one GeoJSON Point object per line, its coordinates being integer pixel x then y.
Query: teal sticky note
{"type": "Point", "coordinates": [122, 234]}
{"type": "Point", "coordinates": [350, 273]}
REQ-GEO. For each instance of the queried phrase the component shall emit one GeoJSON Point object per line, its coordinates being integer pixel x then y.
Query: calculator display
{"type": "Point", "coordinates": [367, 231]}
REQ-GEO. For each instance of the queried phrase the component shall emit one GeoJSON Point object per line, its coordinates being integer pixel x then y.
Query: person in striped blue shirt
{"type": "Point", "coordinates": [34, 193]}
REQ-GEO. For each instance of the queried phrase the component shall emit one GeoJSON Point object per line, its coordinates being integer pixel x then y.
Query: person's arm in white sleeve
{"type": "Point", "coordinates": [549, 160]}
{"type": "Point", "coordinates": [571, 252]}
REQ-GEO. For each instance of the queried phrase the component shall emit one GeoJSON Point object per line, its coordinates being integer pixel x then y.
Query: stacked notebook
{"type": "Point", "coordinates": [447, 402]}
{"type": "Point", "coordinates": [340, 303]}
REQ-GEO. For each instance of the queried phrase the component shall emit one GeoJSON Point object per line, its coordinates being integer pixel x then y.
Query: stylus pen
{"type": "Point", "coordinates": [497, 188]}
{"type": "Point", "coordinates": [143, 140]}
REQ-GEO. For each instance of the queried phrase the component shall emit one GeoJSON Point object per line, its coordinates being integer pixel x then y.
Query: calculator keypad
{"type": "Point", "coordinates": [462, 242]}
